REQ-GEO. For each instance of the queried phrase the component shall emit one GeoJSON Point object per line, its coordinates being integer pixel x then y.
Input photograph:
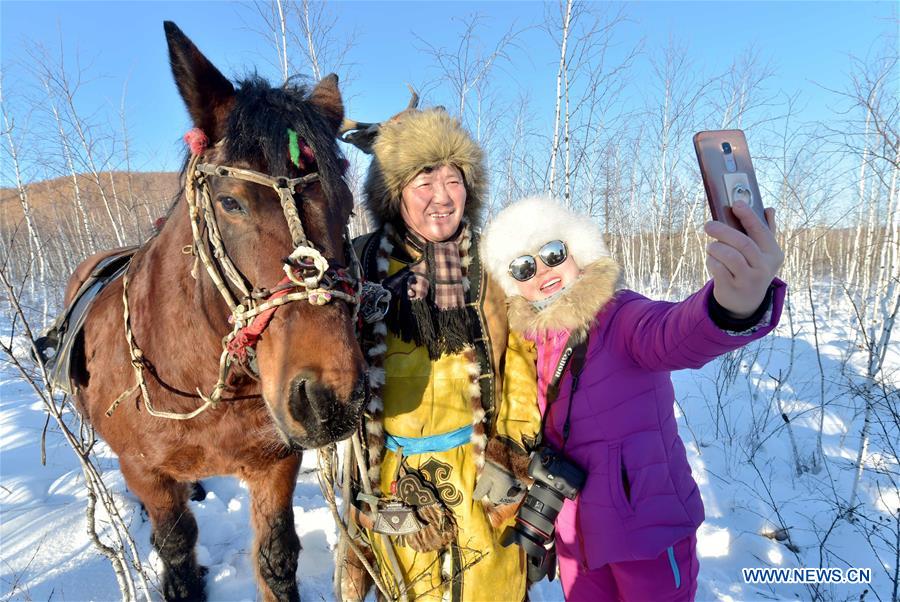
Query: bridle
{"type": "Point", "coordinates": [307, 276]}
{"type": "Point", "coordinates": [307, 273]}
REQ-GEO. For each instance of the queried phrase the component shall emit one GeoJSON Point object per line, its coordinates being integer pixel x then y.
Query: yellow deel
{"type": "Point", "coordinates": [423, 398]}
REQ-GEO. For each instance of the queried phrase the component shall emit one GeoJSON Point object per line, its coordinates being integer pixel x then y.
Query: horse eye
{"type": "Point", "coordinates": [231, 204]}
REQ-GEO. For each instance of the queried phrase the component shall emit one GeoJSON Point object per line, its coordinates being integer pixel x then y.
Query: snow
{"type": "Point", "coordinates": [45, 552]}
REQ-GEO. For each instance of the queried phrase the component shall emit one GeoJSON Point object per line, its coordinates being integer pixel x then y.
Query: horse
{"type": "Point", "coordinates": [255, 249]}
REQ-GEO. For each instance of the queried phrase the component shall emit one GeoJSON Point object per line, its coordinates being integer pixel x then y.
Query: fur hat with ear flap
{"type": "Point", "coordinates": [417, 140]}
{"type": "Point", "coordinates": [522, 228]}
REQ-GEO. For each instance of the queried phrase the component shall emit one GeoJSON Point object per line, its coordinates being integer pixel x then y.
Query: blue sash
{"type": "Point", "coordinates": [431, 444]}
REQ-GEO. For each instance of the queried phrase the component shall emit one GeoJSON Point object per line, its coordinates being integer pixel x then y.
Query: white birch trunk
{"type": "Point", "coordinates": [92, 167]}
{"type": "Point", "coordinates": [282, 46]}
{"type": "Point", "coordinates": [633, 255]}
{"type": "Point", "coordinates": [34, 238]}
{"type": "Point", "coordinates": [890, 242]}
{"type": "Point", "coordinates": [852, 264]}
{"type": "Point", "coordinates": [868, 250]}
{"type": "Point", "coordinates": [567, 187]}
{"type": "Point", "coordinates": [117, 204]}
{"type": "Point", "coordinates": [132, 209]}
{"type": "Point", "coordinates": [862, 452]}
{"type": "Point", "coordinates": [88, 246]}
{"type": "Point", "coordinates": [310, 45]}
{"type": "Point", "coordinates": [554, 147]}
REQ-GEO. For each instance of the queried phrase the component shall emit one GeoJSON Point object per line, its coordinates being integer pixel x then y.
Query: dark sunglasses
{"type": "Point", "coordinates": [525, 267]}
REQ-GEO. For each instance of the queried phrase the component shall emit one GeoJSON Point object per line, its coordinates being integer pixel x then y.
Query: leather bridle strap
{"type": "Point", "coordinates": [305, 269]}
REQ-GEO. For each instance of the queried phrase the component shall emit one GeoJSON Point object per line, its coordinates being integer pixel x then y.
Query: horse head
{"type": "Point", "coordinates": [267, 166]}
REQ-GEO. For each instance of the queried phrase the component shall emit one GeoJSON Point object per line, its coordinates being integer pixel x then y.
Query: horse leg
{"type": "Point", "coordinates": [197, 491]}
{"type": "Point", "coordinates": [173, 533]}
{"type": "Point", "coordinates": [276, 544]}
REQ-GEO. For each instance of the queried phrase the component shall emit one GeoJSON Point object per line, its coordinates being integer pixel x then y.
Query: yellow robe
{"type": "Point", "coordinates": [422, 398]}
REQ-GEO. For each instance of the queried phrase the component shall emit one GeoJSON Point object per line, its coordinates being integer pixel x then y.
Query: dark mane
{"type": "Point", "coordinates": [258, 125]}
{"type": "Point", "coordinates": [257, 129]}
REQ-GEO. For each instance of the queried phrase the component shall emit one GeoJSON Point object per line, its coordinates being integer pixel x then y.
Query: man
{"type": "Point", "coordinates": [454, 394]}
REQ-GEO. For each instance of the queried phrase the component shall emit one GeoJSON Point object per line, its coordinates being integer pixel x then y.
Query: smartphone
{"type": "Point", "coordinates": [728, 174]}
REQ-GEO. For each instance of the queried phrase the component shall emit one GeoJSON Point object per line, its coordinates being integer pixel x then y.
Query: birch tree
{"type": "Point", "coordinates": [589, 84]}
{"type": "Point", "coordinates": [304, 36]}
{"type": "Point", "coordinates": [36, 245]}
{"type": "Point", "coordinates": [873, 283]}
{"type": "Point", "coordinates": [466, 68]}
{"type": "Point", "coordinates": [462, 81]}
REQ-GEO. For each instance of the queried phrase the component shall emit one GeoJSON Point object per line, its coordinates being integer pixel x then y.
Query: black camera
{"type": "Point", "coordinates": [555, 478]}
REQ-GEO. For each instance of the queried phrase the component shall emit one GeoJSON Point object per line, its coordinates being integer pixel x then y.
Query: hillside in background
{"type": "Point", "coordinates": [143, 194]}
{"type": "Point", "coordinates": [74, 218]}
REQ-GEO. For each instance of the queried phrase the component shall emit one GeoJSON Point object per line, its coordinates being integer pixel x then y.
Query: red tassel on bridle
{"type": "Point", "coordinates": [196, 141]}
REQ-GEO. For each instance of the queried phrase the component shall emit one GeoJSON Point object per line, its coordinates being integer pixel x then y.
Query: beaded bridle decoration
{"type": "Point", "coordinates": [307, 277]}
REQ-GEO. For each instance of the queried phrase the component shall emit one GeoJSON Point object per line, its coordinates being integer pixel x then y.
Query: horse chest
{"type": "Point", "coordinates": [186, 462]}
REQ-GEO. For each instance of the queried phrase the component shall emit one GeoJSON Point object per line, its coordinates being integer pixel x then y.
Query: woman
{"type": "Point", "coordinates": [454, 395]}
{"type": "Point", "coordinates": [630, 534]}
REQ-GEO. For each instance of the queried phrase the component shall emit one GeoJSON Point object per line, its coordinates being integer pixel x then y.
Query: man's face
{"type": "Point", "coordinates": [432, 203]}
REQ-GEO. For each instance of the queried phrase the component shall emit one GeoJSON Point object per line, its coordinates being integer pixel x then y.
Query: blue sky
{"type": "Point", "coordinates": [808, 44]}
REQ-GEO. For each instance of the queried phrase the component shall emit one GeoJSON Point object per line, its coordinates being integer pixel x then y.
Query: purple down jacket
{"type": "Point", "coordinates": [639, 497]}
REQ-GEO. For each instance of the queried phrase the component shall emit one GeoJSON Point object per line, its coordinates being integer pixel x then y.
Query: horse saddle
{"type": "Point", "coordinates": [57, 342]}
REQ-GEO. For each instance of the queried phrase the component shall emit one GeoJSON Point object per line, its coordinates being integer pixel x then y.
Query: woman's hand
{"type": "Point", "coordinates": [743, 265]}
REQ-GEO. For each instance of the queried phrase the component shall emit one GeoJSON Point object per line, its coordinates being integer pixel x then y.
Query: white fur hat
{"type": "Point", "coordinates": [525, 226]}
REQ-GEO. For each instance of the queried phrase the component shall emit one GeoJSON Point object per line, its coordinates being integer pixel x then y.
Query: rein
{"type": "Point", "coordinates": [307, 277]}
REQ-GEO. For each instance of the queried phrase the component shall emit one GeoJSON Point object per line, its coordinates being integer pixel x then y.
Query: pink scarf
{"type": "Point", "coordinates": [550, 345]}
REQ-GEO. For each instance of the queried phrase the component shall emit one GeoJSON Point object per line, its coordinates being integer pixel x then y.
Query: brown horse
{"type": "Point", "coordinates": [308, 386]}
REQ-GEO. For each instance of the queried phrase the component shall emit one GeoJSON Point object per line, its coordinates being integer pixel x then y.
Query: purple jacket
{"type": "Point", "coordinates": [639, 497]}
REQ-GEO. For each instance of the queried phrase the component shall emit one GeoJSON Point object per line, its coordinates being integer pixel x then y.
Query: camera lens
{"type": "Point", "coordinates": [555, 479]}
{"type": "Point", "coordinates": [726, 147]}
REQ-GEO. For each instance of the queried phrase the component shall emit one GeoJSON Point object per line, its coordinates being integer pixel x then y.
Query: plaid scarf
{"type": "Point", "coordinates": [437, 295]}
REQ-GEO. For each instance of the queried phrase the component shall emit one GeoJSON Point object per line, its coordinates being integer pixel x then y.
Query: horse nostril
{"type": "Point", "coordinates": [314, 407]}
{"type": "Point", "coordinates": [312, 402]}
{"type": "Point", "coordinates": [299, 403]}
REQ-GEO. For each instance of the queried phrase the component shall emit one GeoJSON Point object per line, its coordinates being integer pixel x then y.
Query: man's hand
{"type": "Point", "coordinates": [498, 486]}
{"type": "Point", "coordinates": [743, 265]}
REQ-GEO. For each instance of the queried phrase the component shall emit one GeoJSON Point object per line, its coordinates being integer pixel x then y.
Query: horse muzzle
{"type": "Point", "coordinates": [321, 414]}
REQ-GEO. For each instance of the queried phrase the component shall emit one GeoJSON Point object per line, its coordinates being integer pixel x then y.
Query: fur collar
{"type": "Point", "coordinates": [576, 309]}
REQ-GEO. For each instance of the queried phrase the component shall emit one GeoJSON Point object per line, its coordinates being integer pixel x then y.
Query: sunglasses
{"type": "Point", "coordinates": [525, 267]}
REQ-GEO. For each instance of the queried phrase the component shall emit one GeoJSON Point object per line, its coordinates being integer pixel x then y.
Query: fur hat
{"type": "Point", "coordinates": [524, 226]}
{"type": "Point", "coordinates": [416, 140]}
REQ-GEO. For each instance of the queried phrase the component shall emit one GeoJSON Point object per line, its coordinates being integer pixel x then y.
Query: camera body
{"type": "Point", "coordinates": [552, 470]}
{"type": "Point", "coordinates": [555, 479]}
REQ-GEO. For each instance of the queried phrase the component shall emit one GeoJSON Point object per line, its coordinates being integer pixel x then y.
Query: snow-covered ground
{"type": "Point", "coordinates": [729, 416]}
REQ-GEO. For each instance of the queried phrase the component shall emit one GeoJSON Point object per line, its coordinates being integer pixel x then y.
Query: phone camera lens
{"type": "Point", "coordinates": [726, 147]}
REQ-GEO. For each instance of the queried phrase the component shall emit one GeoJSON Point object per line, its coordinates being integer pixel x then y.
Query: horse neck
{"type": "Point", "coordinates": [182, 319]}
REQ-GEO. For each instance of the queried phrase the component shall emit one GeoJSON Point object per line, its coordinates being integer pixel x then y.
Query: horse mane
{"type": "Point", "coordinates": [258, 126]}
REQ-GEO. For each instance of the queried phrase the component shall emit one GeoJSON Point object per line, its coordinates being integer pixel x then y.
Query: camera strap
{"type": "Point", "coordinates": [572, 357]}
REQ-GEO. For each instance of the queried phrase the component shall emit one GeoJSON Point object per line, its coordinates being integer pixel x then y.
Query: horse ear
{"type": "Point", "coordinates": [327, 98]}
{"type": "Point", "coordinates": [207, 93]}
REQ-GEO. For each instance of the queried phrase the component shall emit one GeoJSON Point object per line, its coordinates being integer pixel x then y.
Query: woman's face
{"type": "Point", "coordinates": [547, 280]}
{"type": "Point", "coordinates": [432, 203]}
